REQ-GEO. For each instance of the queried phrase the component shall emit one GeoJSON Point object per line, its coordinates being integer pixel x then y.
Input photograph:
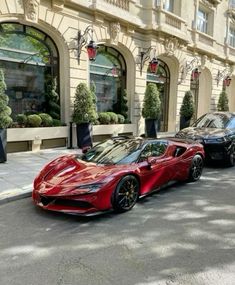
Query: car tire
{"type": "Point", "coordinates": [126, 194]}
{"type": "Point", "coordinates": [231, 157]}
{"type": "Point", "coordinates": [196, 168]}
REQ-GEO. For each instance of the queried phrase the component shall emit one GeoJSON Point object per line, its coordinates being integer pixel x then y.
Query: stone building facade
{"type": "Point", "coordinates": [184, 36]}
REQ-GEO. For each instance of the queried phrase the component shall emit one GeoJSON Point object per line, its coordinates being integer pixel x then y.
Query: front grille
{"type": "Point", "coordinates": [64, 202]}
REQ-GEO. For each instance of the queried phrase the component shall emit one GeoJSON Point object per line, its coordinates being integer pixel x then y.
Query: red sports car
{"type": "Point", "coordinates": [115, 173]}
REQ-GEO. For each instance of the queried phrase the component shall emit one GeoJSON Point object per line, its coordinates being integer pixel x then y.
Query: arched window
{"type": "Point", "coordinates": [108, 72]}
{"type": "Point", "coordinates": [162, 79]}
{"type": "Point", "coordinates": [30, 62]}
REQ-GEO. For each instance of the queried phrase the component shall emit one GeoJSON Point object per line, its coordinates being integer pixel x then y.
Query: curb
{"type": "Point", "coordinates": [15, 198]}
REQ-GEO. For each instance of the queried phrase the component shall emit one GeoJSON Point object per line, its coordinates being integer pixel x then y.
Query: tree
{"type": "Point", "coordinates": [223, 102]}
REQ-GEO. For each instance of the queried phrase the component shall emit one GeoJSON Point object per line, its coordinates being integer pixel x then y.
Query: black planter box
{"type": "Point", "coordinates": [3, 145]}
{"type": "Point", "coordinates": [151, 128]}
{"type": "Point", "coordinates": [84, 135]}
{"type": "Point", "coordinates": [184, 122]}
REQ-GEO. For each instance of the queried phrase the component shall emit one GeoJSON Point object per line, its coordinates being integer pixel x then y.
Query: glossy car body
{"type": "Point", "coordinates": [115, 173]}
{"type": "Point", "coordinates": [216, 131]}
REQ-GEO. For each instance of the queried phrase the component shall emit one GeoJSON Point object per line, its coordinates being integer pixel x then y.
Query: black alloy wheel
{"type": "Point", "coordinates": [231, 156]}
{"type": "Point", "coordinates": [126, 194]}
{"type": "Point", "coordinates": [196, 168]}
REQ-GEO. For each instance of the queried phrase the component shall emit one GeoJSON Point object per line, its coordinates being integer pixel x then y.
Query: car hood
{"type": "Point", "coordinates": [65, 174]}
{"type": "Point", "coordinates": [204, 133]}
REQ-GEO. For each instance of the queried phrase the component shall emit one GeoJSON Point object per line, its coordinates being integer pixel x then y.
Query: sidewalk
{"type": "Point", "coordinates": [18, 173]}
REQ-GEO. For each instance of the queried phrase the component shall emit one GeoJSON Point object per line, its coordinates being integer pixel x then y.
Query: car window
{"type": "Point", "coordinates": [231, 123]}
{"type": "Point", "coordinates": [153, 149]}
{"type": "Point", "coordinates": [212, 121]}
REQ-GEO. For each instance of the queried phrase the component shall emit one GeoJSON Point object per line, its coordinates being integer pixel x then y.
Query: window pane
{"type": "Point", "coordinates": [202, 21]}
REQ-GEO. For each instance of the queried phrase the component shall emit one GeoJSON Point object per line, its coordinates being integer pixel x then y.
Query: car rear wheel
{"type": "Point", "coordinates": [126, 194]}
{"type": "Point", "coordinates": [196, 168]}
{"type": "Point", "coordinates": [231, 157]}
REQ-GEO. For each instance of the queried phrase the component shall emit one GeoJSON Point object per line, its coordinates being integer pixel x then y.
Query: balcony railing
{"type": "Point", "coordinates": [123, 4]}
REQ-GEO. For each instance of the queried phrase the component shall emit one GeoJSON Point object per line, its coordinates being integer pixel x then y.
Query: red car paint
{"type": "Point", "coordinates": [58, 185]}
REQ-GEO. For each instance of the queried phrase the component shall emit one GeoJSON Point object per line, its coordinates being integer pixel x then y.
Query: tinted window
{"type": "Point", "coordinates": [212, 121]}
{"type": "Point", "coordinates": [154, 149]}
{"type": "Point", "coordinates": [114, 152]}
{"type": "Point", "coordinates": [231, 123]}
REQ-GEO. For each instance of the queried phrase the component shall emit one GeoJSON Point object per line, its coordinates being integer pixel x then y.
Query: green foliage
{"type": "Point", "coordinates": [47, 120]}
{"type": "Point", "coordinates": [52, 106]}
{"type": "Point", "coordinates": [121, 119]}
{"type": "Point", "coordinates": [187, 108]}
{"type": "Point", "coordinates": [121, 106]}
{"type": "Point", "coordinates": [21, 119]}
{"type": "Point", "coordinates": [113, 117]}
{"type": "Point", "coordinates": [93, 92]}
{"type": "Point", "coordinates": [56, 123]}
{"type": "Point", "coordinates": [152, 103]}
{"type": "Point", "coordinates": [104, 118]}
{"type": "Point", "coordinates": [34, 120]}
{"type": "Point", "coordinates": [223, 102]}
{"type": "Point", "coordinates": [5, 110]}
{"type": "Point", "coordinates": [84, 107]}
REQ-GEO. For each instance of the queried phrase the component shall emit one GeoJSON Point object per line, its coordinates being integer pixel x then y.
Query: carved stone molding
{"type": "Point", "coordinates": [211, 3]}
{"type": "Point", "coordinates": [58, 4]}
{"type": "Point", "coordinates": [31, 10]}
{"type": "Point", "coordinates": [115, 29]}
{"type": "Point", "coordinates": [171, 45]}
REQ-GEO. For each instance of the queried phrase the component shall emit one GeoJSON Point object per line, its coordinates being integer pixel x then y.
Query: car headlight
{"type": "Point", "coordinates": [89, 188]}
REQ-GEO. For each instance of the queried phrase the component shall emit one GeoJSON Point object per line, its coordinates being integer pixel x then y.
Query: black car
{"type": "Point", "coordinates": [216, 131]}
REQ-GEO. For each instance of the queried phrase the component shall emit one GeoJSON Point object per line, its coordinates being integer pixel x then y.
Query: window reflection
{"type": "Point", "coordinates": [29, 60]}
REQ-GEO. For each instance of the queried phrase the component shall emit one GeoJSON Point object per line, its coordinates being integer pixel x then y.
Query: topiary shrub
{"type": "Point", "coordinates": [223, 102]}
{"type": "Point", "coordinates": [56, 123]}
{"type": "Point", "coordinates": [104, 118]}
{"type": "Point", "coordinates": [121, 106]}
{"type": "Point", "coordinates": [121, 119]}
{"type": "Point", "coordinates": [187, 110]}
{"type": "Point", "coordinates": [52, 106]}
{"type": "Point", "coordinates": [34, 121]}
{"type": "Point", "coordinates": [113, 117]}
{"type": "Point", "coordinates": [84, 107]}
{"type": "Point", "coordinates": [5, 110]}
{"type": "Point", "coordinates": [21, 120]}
{"type": "Point", "coordinates": [152, 103]}
{"type": "Point", "coordinates": [47, 120]}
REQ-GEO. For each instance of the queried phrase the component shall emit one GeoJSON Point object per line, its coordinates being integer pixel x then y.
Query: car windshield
{"type": "Point", "coordinates": [212, 121]}
{"type": "Point", "coordinates": [114, 152]}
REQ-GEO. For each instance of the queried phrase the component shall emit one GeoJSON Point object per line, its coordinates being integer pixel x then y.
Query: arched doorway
{"type": "Point", "coordinates": [29, 58]}
{"type": "Point", "coordinates": [162, 79]}
{"type": "Point", "coordinates": [108, 72]}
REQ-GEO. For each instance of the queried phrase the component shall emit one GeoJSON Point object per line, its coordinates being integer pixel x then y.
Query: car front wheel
{"type": "Point", "coordinates": [231, 157]}
{"type": "Point", "coordinates": [196, 168]}
{"type": "Point", "coordinates": [126, 194]}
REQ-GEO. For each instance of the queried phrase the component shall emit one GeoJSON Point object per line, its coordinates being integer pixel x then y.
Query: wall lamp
{"type": "Point", "coordinates": [193, 66]}
{"type": "Point", "coordinates": [224, 75]}
{"type": "Point", "coordinates": [82, 40]}
{"type": "Point", "coordinates": [153, 63]}
{"type": "Point", "coordinates": [227, 81]}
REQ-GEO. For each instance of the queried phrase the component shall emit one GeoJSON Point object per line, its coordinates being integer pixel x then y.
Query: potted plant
{"type": "Point", "coordinates": [151, 110]}
{"type": "Point", "coordinates": [223, 102]}
{"type": "Point", "coordinates": [84, 115]}
{"type": "Point", "coordinates": [5, 119]}
{"type": "Point", "coordinates": [187, 110]}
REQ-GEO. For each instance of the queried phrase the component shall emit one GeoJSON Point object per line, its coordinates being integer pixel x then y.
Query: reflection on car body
{"type": "Point", "coordinates": [216, 131]}
{"type": "Point", "coordinates": [114, 173]}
